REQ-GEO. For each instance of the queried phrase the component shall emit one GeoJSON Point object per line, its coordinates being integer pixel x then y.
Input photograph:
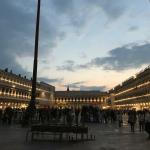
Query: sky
{"type": "Point", "coordinates": [86, 44]}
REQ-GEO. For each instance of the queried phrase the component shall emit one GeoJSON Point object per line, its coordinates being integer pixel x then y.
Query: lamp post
{"type": "Point", "coordinates": [34, 76]}
{"type": "Point", "coordinates": [32, 104]}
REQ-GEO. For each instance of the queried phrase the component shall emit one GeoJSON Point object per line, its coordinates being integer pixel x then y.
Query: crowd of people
{"type": "Point", "coordinates": [86, 114]}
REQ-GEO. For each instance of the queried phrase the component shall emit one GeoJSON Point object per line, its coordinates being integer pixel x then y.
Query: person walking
{"type": "Point", "coordinates": [132, 120]}
{"type": "Point", "coordinates": [141, 118]}
{"type": "Point", "coordinates": [120, 119]}
{"type": "Point", "coordinates": [147, 123]}
{"type": "Point", "coordinates": [77, 111]}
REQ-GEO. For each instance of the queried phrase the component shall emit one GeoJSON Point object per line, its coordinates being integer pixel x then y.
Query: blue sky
{"type": "Point", "coordinates": [87, 44]}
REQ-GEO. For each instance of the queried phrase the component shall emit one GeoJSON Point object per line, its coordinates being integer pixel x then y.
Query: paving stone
{"type": "Point", "coordinates": [108, 137]}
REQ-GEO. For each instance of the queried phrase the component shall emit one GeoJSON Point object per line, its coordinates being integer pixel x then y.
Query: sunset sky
{"type": "Point", "coordinates": [86, 44]}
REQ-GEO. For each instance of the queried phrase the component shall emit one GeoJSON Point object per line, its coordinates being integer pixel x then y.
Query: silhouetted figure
{"type": "Point", "coordinates": [77, 111]}
{"type": "Point", "coordinates": [141, 118]}
{"type": "Point", "coordinates": [1, 114]}
{"type": "Point", "coordinates": [120, 119]}
{"type": "Point", "coordinates": [69, 118]}
{"type": "Point", "coordinates": [132, 120]}
{"type": "Point", "coordinates": [147, 123]}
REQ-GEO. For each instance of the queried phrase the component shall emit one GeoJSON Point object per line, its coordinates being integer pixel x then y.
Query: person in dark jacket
{"type": "Point", "coordinates": [132, 120]}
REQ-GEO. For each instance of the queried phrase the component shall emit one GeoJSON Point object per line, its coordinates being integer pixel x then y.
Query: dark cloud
{"type": "Point", "coordinates": [93, 88]}
{"type": "Point", "coordinates": [63, 6]}
{"type": "Point", "coordinates": [68, 65]}
{"type": "Point", "coordinates": [17, 31]}
{"type": "Point", "coordinates": [73, 11]}
{"type": "Point", "coordinates": [75, 85]}
{"type": "Point", "coordinates": [113, 9]}
{"type": "Point", "coordinates": [78, 12]}
{"type": "Point", "coordinates": [47, 80]}
{"type": "Point", "coordinates": [80, 86]}
{"type": "Point", "coordinates": [125, 57]}
{"type": "Point", "coordinates": [14, 27]}
{"type": "Point", "coordinates": [17, 25]}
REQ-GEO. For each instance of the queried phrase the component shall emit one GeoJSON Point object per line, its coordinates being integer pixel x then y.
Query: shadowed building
{"type": "Point", "coordinates": [134, 92]}
{"type": "Point", "coordinates": [15, 91]}
{"type": "Point", "coordinates": [80, 98]}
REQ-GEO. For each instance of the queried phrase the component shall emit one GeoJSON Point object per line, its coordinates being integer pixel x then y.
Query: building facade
{"type": "Point", "coordinates": [15, 91]}
{"type": "Point", "coordinates": [133, 93]}
{"type": "Point", "coordinates": [77, 99]}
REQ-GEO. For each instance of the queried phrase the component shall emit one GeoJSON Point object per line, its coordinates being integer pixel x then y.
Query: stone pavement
{"type": "Point", "coordinates": [108, 137]}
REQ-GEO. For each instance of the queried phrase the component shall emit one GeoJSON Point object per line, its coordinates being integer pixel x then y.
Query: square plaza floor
{"type": "Point", "coordinates": [108, 137]}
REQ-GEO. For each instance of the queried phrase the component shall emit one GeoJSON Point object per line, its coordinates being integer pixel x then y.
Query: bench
{"type": "Point", "coordinates": [59, 130]}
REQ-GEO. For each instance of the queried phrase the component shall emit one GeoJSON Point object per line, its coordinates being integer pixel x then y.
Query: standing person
{"type": "Point", "coordinates": [70, 117]}
{"type": "Point", "coordinates": [100, 117]}
{"type": "Point", "coordinates": [77, 111]}
{"type": "Point", "coordinates": [120, 119]}
{"type": "Point", "coordinates": [1, 114]}
{"type": "Point", "coordinates": [132, 120]}
{"type": "Point", "coordinates": [141, 118]}
{"type": "Point", "coordinates": [105, 116]}
{"type": "Point", "coordinates": [147, 122]}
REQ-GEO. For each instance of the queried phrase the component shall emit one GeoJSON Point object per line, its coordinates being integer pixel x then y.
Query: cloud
{"type": "Point", "coordinates": [68, 65]}
{"type": "Point", "coordinates": [113, 9]}
{"type": "Point", "coordinates": [47, 80]}
{"type": "Point", "coordinates": [74, 12]}
{"type": "Point", "coordinates": [133, 28]}
{"type": "Point", "coordinates": [93, 88]}
{"type": "Point", "coordinates": [124, 58]}
{"type": "Point", "coordinates": [83, 55]}
{"type": "Point", "coordinates": [75, 85]}
{"type": "Point", "coordinates": [17, 31]}
{"type": "Point", "coordinates": [13, 34]}
{"type": "Point", "coordinates": [17, 26]}
{"type": "Point", "coordinates": [80, 86]}
{"type": "Point", "coordinates": [78, 12]}
{"type": "Point", "coordinates": [63, 6]}
{"type": "Point", "coordinates": [121, 58]}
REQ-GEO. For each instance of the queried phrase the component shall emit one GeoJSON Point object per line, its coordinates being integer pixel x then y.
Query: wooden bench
{"type": "Point", "coordinates": [59, 130]}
